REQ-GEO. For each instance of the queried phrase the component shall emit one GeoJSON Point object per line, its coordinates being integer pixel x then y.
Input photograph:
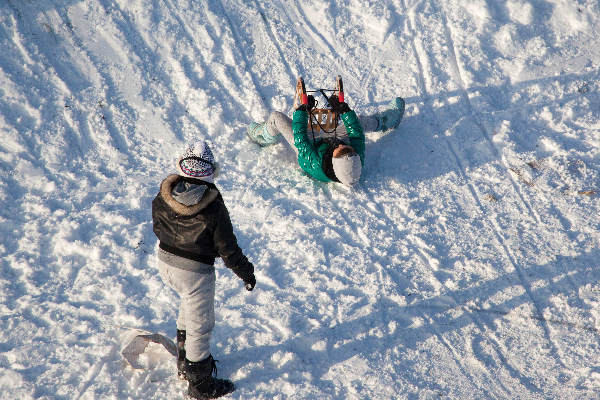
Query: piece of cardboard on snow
{"type": "Point", "coordinates": [138, 345]}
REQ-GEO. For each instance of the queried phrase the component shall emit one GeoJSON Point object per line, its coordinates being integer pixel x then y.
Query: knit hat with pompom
{"type": "Point", "coordinates": [197, 162]}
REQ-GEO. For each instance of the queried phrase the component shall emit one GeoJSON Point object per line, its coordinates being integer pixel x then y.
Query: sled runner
{"type": "Point", "coordinates": [321, 119]}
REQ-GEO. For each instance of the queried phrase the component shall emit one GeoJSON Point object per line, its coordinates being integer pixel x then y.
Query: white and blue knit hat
{"type": "Point", "coordinates": [197, 162]}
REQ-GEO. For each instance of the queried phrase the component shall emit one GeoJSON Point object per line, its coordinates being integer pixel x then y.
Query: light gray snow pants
{"type": "Point", "coordinates": [279, 123]}
{"type": "Point", "coordinates": [197, 307]}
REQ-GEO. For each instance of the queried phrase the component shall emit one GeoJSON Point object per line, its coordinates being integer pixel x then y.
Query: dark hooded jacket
{"type": "Point", "coordinates": [200, 232]}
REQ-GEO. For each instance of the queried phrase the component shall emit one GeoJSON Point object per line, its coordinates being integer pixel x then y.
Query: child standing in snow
{"type": "Point", "coordinates": [337, 156]}
{"type": "Point", "coordinates": [193, 228]}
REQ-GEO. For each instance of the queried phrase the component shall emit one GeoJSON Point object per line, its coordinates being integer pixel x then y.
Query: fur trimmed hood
{"type": "Point", "coordinates": [166, 187]}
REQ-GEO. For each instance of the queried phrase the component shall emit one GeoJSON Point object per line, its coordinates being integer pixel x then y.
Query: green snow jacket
{"type": "Point", "coordinates": [310, 156]}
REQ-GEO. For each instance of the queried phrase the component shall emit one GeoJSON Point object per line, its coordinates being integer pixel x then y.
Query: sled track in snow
{"type": "Point", "coordinates": [215, 83]}
{"type": "Point", "coordinates": [119, 139]}
{"type": "Point", "coordinates": [271, 33]}
{"type": "Point", "coordinates": [472, 114]}
{"type": "Point", "coordinates": [137, 45]}
{"type": "Point", "coordinates": [432, 327]}
{"type": "Point", "coordinates": [315, 33]}
{"type": "Point", "coordinates": [260, 96]}
{"type": "Point", "coordinates": [457, 75]}
{"type": "Point", "coordinates": [421, 55]}
{"type": "Point", "coordinates": [245, 64]}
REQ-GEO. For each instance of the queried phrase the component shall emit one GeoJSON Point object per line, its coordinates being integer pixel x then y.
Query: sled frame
{"type": "Point", "coordinates": [321, 119]}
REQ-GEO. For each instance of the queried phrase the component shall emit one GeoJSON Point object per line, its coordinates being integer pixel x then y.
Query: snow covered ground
{"type": "Point", "coordinates": [466, 265]}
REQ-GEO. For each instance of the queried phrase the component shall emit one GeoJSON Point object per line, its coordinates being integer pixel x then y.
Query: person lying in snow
{"type": "Point", "coordinates": [329, 157]}
{"type": "Point", "coordinates": [193, 227]}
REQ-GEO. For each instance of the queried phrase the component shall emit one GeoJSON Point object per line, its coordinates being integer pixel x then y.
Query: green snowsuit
{"type": "Point", "coordinates": [310, 156]}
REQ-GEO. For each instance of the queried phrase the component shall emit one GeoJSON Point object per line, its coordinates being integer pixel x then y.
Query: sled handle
{"type": "Point", "coordinates": [340, 89]}
{"type": "Point", "coordinates": [303, 96]}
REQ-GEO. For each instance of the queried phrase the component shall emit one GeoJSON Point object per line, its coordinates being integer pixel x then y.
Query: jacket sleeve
{"type": "Point", "coordinates": [355, 133]}
{"type": "Point", "coordinates": [308, 157]}
{"type": "Point", "coordinates": [155, 220]}
{"type": "Point", "coordinates": [227, 247]}
{"type": "Point", "coordinates": [160, 228]}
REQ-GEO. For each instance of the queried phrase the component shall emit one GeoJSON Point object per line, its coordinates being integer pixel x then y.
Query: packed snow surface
{"type": "Point", "coordinates": [465, 265]}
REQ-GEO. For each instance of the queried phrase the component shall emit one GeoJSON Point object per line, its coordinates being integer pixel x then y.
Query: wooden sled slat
{"type": "Point", "coordinates": [322, 117]}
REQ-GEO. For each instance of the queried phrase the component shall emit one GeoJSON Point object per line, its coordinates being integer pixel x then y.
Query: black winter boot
{"type": "Point", "coordinates": [202, 384]}
{"type": "Point", "coordinates": [181, 354]}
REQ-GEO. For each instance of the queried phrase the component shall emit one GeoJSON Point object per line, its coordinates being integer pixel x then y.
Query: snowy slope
{"type": "Point", "coordinates": [464, 266]}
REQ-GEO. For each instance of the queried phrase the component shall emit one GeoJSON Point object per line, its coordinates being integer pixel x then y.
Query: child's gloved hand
{"type": "Point", "coordinates": [336, 106]}
{"type": "Point", "coordinates": [250, 282]}
{"type": "Point", "coordinates": [309, 106]}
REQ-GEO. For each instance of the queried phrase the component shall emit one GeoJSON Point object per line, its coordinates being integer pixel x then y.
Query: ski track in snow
{"type": "Point", "coordinates": [465, 264]}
